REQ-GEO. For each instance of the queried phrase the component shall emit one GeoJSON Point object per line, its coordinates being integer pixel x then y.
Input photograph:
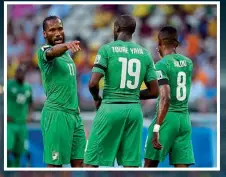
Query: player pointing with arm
{"type": "Point", "coordinates": [170, 132]}
{"type": "Point", "coordinates": [117, 128]}
{"type": "Point", "coordinates": [62, 128]}
{"type": "Point", "coordinates": [54, 33]}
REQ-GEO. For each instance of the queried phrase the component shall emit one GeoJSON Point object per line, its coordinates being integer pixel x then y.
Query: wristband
{"type": "Point", "coordinates": [156, 128]}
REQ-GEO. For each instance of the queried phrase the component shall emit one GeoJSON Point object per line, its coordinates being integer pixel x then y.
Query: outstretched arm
{"type": "Point", "coordinates": [59, 49]}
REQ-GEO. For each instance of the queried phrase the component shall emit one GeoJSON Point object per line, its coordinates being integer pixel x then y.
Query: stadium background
{"type": "Point", "coordinates": [93, 27]}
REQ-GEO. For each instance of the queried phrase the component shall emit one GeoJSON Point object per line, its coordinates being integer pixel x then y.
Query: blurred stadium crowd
{"type": "Point", "coordinates": [92, 25]}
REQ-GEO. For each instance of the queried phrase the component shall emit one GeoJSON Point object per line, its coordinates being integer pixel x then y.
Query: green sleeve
{"type": "Point", "coordinates": [151, 72]}
{"type": "Point", "coordinates": [42, 52]}
{"type": "Point", "coordinates": [162, 70]}
{"type": "Point", "coordinates": [43, 64]}
{"type": "Point", "coordinates": [101, 61]}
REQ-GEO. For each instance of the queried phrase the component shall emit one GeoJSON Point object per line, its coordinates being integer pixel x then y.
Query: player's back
{"type": "Point", "coordinates": [179, 72]}
{"type": "Point", "coordinates": [127, 67]}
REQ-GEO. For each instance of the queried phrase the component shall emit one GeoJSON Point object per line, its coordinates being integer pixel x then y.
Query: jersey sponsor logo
{"type": "Point", "coordinates": [55, 155]}
{"type": "Point", "coordinates": [159, 75]}
{"type": "Point", "coordinates": [97, 60]}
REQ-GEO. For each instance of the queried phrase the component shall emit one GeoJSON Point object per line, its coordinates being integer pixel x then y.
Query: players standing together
{"type": "Point", "coordinates": [116, 132]}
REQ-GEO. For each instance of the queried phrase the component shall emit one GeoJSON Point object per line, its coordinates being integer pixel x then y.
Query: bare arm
{"type": "Point", "coordinates": [94, 88]}
{"type": "Point", "coordinates": [162, 111]}
{"type": "Point", "coordinates": [94, 85]}
{"type": "Point", "coordinates": [59, 49]}
{"type": "Point", "coordinates": [151, 92]}
{"type": "Point", "coordinates": [164, 103]}
{"type": "Point", "coordinates": [56, 51]}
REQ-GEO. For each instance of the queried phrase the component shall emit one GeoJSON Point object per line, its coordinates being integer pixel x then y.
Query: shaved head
{"type": "Point", "coordinates": [125, 24]}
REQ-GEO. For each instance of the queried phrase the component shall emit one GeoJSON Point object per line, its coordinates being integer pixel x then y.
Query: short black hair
{"type": "Point", "coordinates": [126, 23]}
{"type": "Point", "coordinates": [168, 36]}
{"type": "Point", "coordinates": [52, 17]}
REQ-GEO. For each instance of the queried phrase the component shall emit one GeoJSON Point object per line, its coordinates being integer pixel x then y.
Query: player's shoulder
{"type": "Point", "coordinates": [105, 46]}
{"type": "Point", "coordinates": [183, 57]}
{"type": "Point", "coordinates": [170, 58]}
{"type": "Point", "coordinates": [162, 61]}
{"type": "Point", "coordinates": [163, 64]}
{"type": "Point", "coordinates": [140, 46]}
{"type": "Point", "coordinates": [110, 43]}
{"type": "Point", "coordinates": [44, 47]}
{"type": "Point", "coordinates": [124, 43]}
{"type": "Point", "coordinates": [135, 45]}
{"type": "Point", "coordinates": [187, 59]}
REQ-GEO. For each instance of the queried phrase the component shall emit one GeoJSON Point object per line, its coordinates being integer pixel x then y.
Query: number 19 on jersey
{"type": "Point", "coordinates": [127, 68]}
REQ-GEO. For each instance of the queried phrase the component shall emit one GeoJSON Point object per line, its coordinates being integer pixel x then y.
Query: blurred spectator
{"type": "Point", "coordinates": [103, 15]}
{"type": "Point", "coordinates": [196, 24]}
{"type": "Point", "coordinates": [192, 42]}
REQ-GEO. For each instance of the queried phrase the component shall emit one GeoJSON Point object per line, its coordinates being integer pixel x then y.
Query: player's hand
{"type": "Point", "coordinates": [73, 46]}
{"type": "Point", "coordinates": [155, 141]}
{"type": "Point", "coordinates": [98, 102]}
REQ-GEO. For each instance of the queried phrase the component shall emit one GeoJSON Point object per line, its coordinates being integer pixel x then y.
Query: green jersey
{"type": "Point", "coordinates": [125, 66]}
{"type": "Point", "coordinates": [176, 70]}
{"type": "Point", "coordinates": [59, 81]}
{"type": "Point", "coordinates": [19, 97]}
